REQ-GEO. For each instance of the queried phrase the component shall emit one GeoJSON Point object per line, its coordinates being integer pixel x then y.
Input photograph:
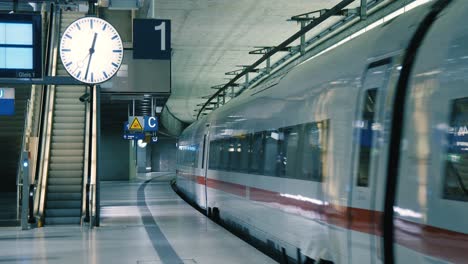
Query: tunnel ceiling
{"type": "Point", "coordinates": [212, 37]}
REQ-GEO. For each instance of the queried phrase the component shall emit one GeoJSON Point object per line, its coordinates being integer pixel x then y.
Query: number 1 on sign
{"type": "Point", "coordinates": [162, 27]}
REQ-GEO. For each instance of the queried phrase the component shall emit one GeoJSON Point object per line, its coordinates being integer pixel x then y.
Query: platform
{"type": "Point", "coordinates": [142, 222]}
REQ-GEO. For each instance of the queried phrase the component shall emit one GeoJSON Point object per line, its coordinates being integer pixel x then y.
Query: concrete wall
{"type": "Point", "coordinates": [114, 155]}
{"type": "Point", "coordinates": [163, 155]}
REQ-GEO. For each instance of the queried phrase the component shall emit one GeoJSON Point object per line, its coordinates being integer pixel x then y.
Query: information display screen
{"type": "Point", "coordinates": [20, 46]}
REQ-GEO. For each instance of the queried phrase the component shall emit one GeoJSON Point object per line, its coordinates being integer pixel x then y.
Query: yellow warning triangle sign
{"type": "Point", "coordinates": [136, 125]}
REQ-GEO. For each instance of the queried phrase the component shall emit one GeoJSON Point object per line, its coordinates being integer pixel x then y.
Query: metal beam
{"type": "Point", "coordinates": [333, 11]}
{"type": "Point", "coordinates": [309, 16]}
{"type": "Point", "coordinates": [219, 86]}
{"type": "Point", "coordinates": [236, 72]}
{"type": "Point", "coordinates": [47, 80]}
{"type": "Point", "coordinates": [265, 50]}
{"type": "Point", "coordinates": [391, 7]}
{"type": "Point", "coordinates": [212, 103]}
{"type": "Point", "coordinates": [363, 9]}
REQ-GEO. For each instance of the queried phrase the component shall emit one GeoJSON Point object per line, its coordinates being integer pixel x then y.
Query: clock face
{"type": "Point", "coordinates": [91, 50]}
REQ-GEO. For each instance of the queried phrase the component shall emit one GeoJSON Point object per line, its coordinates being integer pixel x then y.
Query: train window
{"type": "Point", "coordinates": [256, 156]}
{"type": "Point", "coordinates": [366, 135]}
{"type": "Point", "coordinates": [219, 153]}
{"type": "Point", "coordinates": [234, 153]}
{"type": "Point", "coordinates": [224, 154]}
{"type": "Point", "coordinates": [456, 164]}
{"type": "Point", "coordinates": [281, 165]}
{"type": "Point", "coordinates": [288, 152]}
{"type": "Point", "coordinates": [214, 154]}
{"type": "Point", "coordinates": [313, 152]}
{"type": "Point", "coordinates": [244, 150]}
{"type": "Point", "coordinates": [187, 155]}
{"type": "Point", "coordinates": [193, 150]}
{"type": "Point", "coordinates": [271, 152]}
{"type": "Point", "coordinates": [211, 156]}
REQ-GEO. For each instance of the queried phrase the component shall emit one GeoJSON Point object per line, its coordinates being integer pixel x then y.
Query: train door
{"type": "Point", "coordinates": [369, 129]}
{"type": "Point", "coordinates": [204, 166]}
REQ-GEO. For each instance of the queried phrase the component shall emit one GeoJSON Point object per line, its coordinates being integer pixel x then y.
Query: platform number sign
{"type": "Point", "coordinates": [152, 39]}
{"type": "Point", "coordinates": [162, 30]}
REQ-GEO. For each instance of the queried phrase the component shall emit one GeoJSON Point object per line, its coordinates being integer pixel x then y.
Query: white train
{"type": "Point", "coordinates": [357, 156]}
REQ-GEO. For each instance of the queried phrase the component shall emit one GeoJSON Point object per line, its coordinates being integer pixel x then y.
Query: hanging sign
{"type": "Point", "coordinates": [7, 101]}
{"type": "Point", "coordinates": [136, 123]}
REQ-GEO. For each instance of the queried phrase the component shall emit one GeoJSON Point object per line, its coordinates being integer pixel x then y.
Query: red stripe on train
{"type": "Point", "coordinates": [437, 242]}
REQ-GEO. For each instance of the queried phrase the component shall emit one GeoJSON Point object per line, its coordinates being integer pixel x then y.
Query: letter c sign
{"type": "Point", "coordinates": [151, 123]}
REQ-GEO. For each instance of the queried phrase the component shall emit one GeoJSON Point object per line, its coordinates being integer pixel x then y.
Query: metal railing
{"type": "Point", "coordinates": [23, 153]}
{"type": "Point", "coordinates": [308, 22]}
{"type": "Point", "coordinates": [281, 47]}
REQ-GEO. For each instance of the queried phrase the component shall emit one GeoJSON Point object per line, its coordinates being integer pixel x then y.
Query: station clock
{"type": "Point", "coordinates": [91, 50]}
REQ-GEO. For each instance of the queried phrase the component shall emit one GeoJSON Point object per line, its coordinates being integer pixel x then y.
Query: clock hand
{"type": "Point", "coordinates": [91, 52]}
{"type": "Point", "coordinates": [79, 65]}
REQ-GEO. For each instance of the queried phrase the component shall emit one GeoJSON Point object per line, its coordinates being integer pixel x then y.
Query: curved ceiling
{"type": "Point", "coordinates": [212, 37]}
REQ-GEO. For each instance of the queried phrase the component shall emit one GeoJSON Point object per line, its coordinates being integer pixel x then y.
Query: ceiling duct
{"type": "Point", "coordinates": [122, 4]}
{"type": "Point", "coordinates": [103, 3]}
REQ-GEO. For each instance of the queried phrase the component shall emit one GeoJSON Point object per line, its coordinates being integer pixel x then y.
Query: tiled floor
{"type": "Point", "coordinates": [141, 222]}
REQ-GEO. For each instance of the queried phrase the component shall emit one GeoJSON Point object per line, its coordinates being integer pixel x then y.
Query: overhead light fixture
{"type": "Point", "coordinates": [141, 143]}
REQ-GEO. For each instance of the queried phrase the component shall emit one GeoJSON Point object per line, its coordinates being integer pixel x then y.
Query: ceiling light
{"type": "Point", "coordinates": [141, 143]}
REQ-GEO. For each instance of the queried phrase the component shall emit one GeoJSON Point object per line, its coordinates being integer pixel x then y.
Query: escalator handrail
{"type": "Point", "coordinates": [47, 109]}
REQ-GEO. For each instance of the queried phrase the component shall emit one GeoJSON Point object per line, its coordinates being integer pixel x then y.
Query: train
{"type": "Point", "coordinates": [359, 155]}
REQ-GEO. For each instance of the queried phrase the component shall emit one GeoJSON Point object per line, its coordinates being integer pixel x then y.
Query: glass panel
{"type": "Point", "coordinates": [290, 152]}
{"type": "Point", "coordinates": [256, 156]}
{"type": "Point", "coordinates": [456, 165]}
{"type": "Point", "coordinates": [234, 153]}
{"type": "Point", "coordinates": [9, 33]}
{"type": "Point", "coordinates": [224, 154]}
{"type": "Point", "coordinates": [315, 141]}
{"type": "Point", "coordinates": [214, 155]}
{"type": "Point", "coordinates": [271, 152]}
{"type": "Point", "coordinates": [194, 152]}
{"type": "Point", "coordinates": [18, 34]}
{"type": "Point", "coordinates": [244, 153]}
{"type": "Point", "coordinates": [2, 58]}
{"type": "Point", "coordinates": [17, 58]}
{"type": "Point", "coordinates": [3, 33]}
{"type": "Point", "coordinates": [366, 135]}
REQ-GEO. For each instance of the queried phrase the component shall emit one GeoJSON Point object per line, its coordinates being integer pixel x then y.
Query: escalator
{"type": "Point", "coordinates": [66, 170]}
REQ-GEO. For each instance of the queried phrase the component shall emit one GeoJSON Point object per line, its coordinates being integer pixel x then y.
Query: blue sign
{"type": "Point", "coordinates": [152, 39]}
{"type": "Point", "coordinates": [7, 101]}
{"type": "Point", "coordinates": [134, 136]}
{"type": "Point", "coordinates": [151, 123]}
{"type": "Point", "coordinates": [129, 135]}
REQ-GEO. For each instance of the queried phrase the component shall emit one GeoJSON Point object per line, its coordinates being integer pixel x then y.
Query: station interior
{"type": "Point", "coordinates": [129, 131]}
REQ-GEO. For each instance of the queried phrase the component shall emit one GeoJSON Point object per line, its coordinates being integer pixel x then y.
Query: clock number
{"type": "Point", "coordinates": [162, 28]}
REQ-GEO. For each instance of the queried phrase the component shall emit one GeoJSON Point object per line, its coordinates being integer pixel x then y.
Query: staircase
{"type": "Point", "coordinates": [11, 136]}
{"type": "Point", "coordinates": [66, 161]}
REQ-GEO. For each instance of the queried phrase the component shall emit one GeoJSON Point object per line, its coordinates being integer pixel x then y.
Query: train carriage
{"type": "Point", "coordinates": [355, 156]}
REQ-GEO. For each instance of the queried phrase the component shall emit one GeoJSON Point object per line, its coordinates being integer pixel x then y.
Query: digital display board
{"type": "Point", "coordinates": [20, 46]}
